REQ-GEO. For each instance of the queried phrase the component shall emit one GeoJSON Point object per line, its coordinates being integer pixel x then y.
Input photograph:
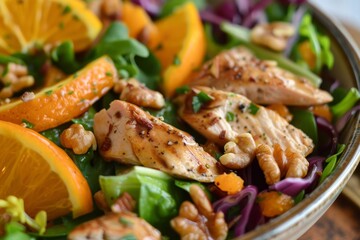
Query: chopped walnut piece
{"type": "Point", "coordinates": [277, 163]}
{"type": "Point", "coordinates": [78, 139]}
{"type": "Point", "coordinates": [297, 164]}
{"type": "Point", "coordinates": [100, 201]}
{"type": "Point", "coordinates": [239, 154]}
{"type": "Point", "coordinates": [115, 226]}
{"type": "Point", "coordinates": [14, 78]}
{"type": "Point", "coordinates": [267, 163]}
{"type": "Point", "coordinates": [125, 203]}
{"type": "Point", "coordinates": [106, 10]}
{"type": "Point", "coordinates": [137, 93]}
{"type": "Point", "coordinates": [273, 35]}
{"type": "Point", "coordinates": [198, 220]}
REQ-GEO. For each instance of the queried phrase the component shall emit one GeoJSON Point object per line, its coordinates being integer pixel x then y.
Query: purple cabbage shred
{"type": "Point", "coordinates": [293, 186]}
{"type": "Point", "coordinates": [340, 124]}
{"type": "Point", "coordinates": [246, 198]}
{"type": "Point", "coordinates": [327, 148]}
{"type": "Point", "coordinates": [152, 7]}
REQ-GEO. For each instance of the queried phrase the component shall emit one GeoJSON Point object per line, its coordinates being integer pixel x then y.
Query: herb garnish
{"type": "Point", "coordinates": [199, 99]}
{"type": "Point", "coordinates": [253, 109]}
{"type": "Point", "coordinates": [230, 116]}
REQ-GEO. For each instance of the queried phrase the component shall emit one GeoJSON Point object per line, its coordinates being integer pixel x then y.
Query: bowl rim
{"type": "Point", "coordinates": [287, 226]}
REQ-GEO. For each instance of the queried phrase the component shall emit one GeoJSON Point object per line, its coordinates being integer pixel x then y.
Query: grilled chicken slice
{"type": "Point", "coordinates": [263, 82]}
{"type": "Point", "coordinates": [127, 134]}
{"type": "Point", "coordinates": [227, 115]}
{"type": "Point", "coordinates": [115, 226]}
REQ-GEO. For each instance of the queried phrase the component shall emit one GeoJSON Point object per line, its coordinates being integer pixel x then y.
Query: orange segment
{"type": "Point", "coordinates": [65, 100]}
{"type": "Point", "coordinates": [25, 25]}
{"type": "Point", "coordinates": [182, 47]}
{"type": "Point", "coordinates": [35, 169]}
{"type": "Point", "coordinates": [139, 23]}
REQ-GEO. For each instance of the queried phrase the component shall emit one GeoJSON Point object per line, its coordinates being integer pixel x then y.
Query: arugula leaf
{"type": "Point", "coordinates": [149, 69]}
{"type": "Point", "coordinates": [115, 31]}
{"type": "Point", "coordinates": [320, 44]}
{"type": "Point", "coordinates": [121, 47]}
{"type": "Point", "coordinates": [331, 163]}
{"type": "Point", "coordinates": [305, 120]}
{"type": "Point", "coordinates": [92, 165]}
{"type": "Point", "coordinates": [63, 56]}
{"type": "Point", "coordinates": [87, 119]}
{"type": "Point", "coordinates": [298, 198]}
{"type": "Point", "coordinates": [351, 98]}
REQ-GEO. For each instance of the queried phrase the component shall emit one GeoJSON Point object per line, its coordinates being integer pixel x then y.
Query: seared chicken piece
{"type": "Point", "coordinates": [127, 134]}
{"type": "Point", "coordinates": [228, 115]}
{"type": "Point", "coordinates": [238, 70]}
{"type": "Point", "coordinates": [115, 226]}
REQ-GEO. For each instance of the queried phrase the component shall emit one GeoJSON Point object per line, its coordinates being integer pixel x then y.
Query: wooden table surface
{"type": "Point", "coordinates": [342, 220]}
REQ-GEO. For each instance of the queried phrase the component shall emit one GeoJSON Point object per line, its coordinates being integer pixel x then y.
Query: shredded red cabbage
{"type": "Point", "coordinates": [293, 186]}
{"type": "Point", "coordinates": [327, 145]}
{"type": "Point", "coordinates": [329, 83]}
{"type": "Point", "coordinates": [246, 196]}
{"type": "Point", "coordinates": [256, 14]}
{"type": "Point", "coordinates": [295, 21]}
{"type": "Point", "coordinates": [152, 7]}
{"type": "Point", "coordinates": [341, 123]}
{"type": "Point", "coordinates": [318, 161]}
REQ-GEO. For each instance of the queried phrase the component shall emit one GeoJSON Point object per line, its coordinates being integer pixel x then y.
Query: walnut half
{"type": "Point", "coordinates": [78, 139]}
{"type": "Point", "coordinates": [198, 220]}
{"type": "Point", "coordinates": [273, 35]}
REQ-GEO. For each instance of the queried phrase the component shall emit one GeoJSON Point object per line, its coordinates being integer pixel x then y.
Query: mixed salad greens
{"type": "Point", "coordinates": [159, 195]}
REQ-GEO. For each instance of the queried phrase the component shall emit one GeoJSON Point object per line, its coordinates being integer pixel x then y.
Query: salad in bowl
{"type": "Point", "coordinates": [176, 119]}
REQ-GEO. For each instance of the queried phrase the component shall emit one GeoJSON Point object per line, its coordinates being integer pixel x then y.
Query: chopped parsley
{"type": "Point", "coordinates": [177, 60]}
{"type": "Point", "coordinates": [253, 109]}
{"type": "Point", "coordinates": [66, 10]}
{"type": "Point", "coordinates": [230, 116]}
{"type": "Point", "coordinates": [182, 89]}
{"type": "Point", "coordinates": [49, 92]}
{"type": "Point", "coordinates": [109, 74]}
{"type": "Point", "coordinates": [125, 221]}
{"type": "Point", "coordinates": [61, 25]}
{"type": "Point", "coordinates": [199, 99]}
{"type": "Point", "coordinates": [128, 237]}
{"type": "Point", "coordinates": [27, 123]}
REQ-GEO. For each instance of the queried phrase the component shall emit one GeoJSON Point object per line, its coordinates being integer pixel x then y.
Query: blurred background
{"type": "Point", "coordinates": [341, 221]}
{"type": "Point", "coordinates": [346, 11]}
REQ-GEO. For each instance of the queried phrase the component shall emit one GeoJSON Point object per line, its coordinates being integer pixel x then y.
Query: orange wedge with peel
{"type": "Point", "coordinates": [139, 24]}
{"type": "Point", "coordinates": [29, 24]}
{"type": "Point", "coordinates": [65, 100]}
{"type": "Point", "coordinates": [38, 171]}
{"type": "Point", "coordinates": [182, 46]}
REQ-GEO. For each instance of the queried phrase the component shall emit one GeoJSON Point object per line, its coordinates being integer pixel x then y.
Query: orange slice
{"type": "Point", "coordinates": [28, 24]}
{"type": "Point", "coordinates": [65, 100]}
{"type": "Point", "coordinates": [36, 170]}
{"type": "Point", "coordinates": [182, 47]}
{"type": "Point", "coordinates": [139, 24]}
